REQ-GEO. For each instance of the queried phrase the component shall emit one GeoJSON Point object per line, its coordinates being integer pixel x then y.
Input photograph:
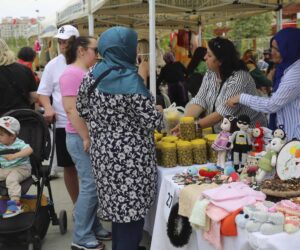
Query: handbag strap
{"type": "Point", "coordinates": [104, 74]}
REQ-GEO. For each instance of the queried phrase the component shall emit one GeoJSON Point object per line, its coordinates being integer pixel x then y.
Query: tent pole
{"type": "Point", "coordinates": [90, 18]}
{"type": "Point", "coordinates": [279, 19]}
{"type": "Point", "coordinates": [152, 51]}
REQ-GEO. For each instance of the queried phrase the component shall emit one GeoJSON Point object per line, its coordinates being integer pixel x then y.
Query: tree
{"type": "Point", "coordinates": [251, 27]}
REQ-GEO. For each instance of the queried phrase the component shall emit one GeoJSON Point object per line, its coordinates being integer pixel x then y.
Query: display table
{"type": "Point", "coordinates": [162, 172]}
{"type": "Point", "coordinates": [168, 196]}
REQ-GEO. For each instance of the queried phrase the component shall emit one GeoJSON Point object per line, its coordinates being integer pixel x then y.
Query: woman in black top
{"type": "Point", "coordinates": [174, 74]}
{"type": "Point", "coordinates": [17, 84]}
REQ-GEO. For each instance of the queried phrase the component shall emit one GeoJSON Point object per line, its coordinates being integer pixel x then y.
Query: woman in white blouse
{"type": "Point", "coordinates": [227, 76]}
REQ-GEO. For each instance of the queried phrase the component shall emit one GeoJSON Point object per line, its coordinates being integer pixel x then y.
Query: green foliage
{"type": "Point", "coordinates": [15, 44]}
{"type": "Point", "coordinates": [251, 27]}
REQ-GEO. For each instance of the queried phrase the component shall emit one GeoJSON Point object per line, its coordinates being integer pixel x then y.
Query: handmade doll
{"type": "Point", "coordinates": [240, 143]}
{"type": "Point", "coordinates": [258, 134]}
{"type": "Point", "coordinates": [279, 133]}
{"type": "Point", "coordinates": [267, 163]}
{"type": "Point", "coordinates": [220, 145]}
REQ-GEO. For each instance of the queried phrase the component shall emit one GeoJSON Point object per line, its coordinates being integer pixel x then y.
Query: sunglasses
{"type": "Point", "coordinates": [95, 49]}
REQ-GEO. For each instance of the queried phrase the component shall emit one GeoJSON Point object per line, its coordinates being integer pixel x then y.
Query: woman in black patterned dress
{"type": "Point", "coordinates": [122, 116]}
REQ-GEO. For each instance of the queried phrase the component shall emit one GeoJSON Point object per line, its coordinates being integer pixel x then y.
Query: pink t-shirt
{"type": "Point", "coordinates": [69, 84]}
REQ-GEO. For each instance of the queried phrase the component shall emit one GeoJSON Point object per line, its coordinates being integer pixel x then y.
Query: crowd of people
{"type": "Point", "coordinates": [105, 115]}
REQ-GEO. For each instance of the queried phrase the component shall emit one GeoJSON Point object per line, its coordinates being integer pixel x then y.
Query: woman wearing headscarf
{"type": "Point", "coordinates": [17, 84]}
{"type": "Point", "coordinates": [174, 74]}
{"type": "Point", "coordinates": [284, 104]}
{"type": "Point", "coordinates": [121, 113]}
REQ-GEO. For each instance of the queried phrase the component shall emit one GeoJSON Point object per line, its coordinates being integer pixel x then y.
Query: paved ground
{"type": "Point", "coordinates": [54, 240]}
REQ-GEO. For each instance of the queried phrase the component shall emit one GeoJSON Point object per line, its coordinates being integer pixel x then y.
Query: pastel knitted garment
{"type": "Point", "coordinates": [189, 195]}
{"type": "Point", "coordinates": [233, 196]}
{"type": "Point", "coordinates": [198, 216]}
{"type": "Point", "coordinates": [214, 235]}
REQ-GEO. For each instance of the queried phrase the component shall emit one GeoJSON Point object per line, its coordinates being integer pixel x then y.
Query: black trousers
{"type": "Point", "coordinates": [127, 236]}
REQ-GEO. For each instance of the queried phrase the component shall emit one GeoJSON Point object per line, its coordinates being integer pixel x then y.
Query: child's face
{"type": "Point", "coordinates": [6, 138]}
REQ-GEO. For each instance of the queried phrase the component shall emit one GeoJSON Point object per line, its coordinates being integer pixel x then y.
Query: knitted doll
{"type": "Point", "coordinates": [268, 161]}
{"type": "Point", "coordinates": [258, 134]}
{"type": "Point", "coordinates": [279, 133]}
{"type": "Point", "coordinates": [241, 143]}
{"type": "Point", "coordinates": [220, 145]}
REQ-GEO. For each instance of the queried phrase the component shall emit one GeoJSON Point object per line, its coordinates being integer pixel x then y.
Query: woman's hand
{"type": "Point", "coordinates": [176, 130]}
{"type": "Point", "coordinates": [86, 144]}
{"type": "Point", "coordinates": [233, 101]}
{"type": "Point", "coordinates": [159, 108]}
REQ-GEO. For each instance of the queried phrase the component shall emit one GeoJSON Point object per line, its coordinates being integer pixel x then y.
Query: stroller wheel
{"type": "Point", "coordinates": [36, 243]}
{"type": "Point", "coordinates": [63, 221]}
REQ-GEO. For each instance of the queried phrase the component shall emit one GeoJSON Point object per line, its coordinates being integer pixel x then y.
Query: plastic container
{"type": "Point", "coordinates": [168, 154]}
{"type": "Point", "coordinates": [199, 151]}
{"type": "Point", "coordinates": [187, 128]}
{"type": "Point", "coordinates": [207, 131]}
{"type": "Point", "coordinates": [157, 137]}
{"type": "Point", "coordinates": [158, 152]}
{"type": "Point", "coordinates": [170, 139]}
{"type": "Point", "coordinates": [184, 153]}
{"type": "Point", "coordinates": [211, 154]}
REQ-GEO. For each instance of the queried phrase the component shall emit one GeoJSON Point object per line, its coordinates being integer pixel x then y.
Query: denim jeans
{"type": "Point", "coordinates": [86, 225]}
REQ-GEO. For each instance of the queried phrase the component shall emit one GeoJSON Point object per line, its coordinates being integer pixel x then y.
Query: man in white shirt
{"type": "Point", "coordinates": [49, 86]}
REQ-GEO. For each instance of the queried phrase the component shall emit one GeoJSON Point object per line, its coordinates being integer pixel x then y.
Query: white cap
{"type": "Point", "coordinates": [10, 124]}
{"type": "Point", "coordinates": [66, 31]}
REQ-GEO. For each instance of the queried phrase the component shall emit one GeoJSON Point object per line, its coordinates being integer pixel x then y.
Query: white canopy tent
{"type": "Point", "coordinates": [153, 15]}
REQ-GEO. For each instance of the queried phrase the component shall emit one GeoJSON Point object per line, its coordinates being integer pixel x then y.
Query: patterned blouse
{"type": "Point", "coordinates": [122, 150]}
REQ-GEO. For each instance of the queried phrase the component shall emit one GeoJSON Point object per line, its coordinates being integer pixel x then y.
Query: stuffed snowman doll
{"type": "Point", "coordinates": [220, 145]}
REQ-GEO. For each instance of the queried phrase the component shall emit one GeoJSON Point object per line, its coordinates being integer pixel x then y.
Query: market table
{"type": "Point", "coordinates": [168, 196]}
{"type": "Point", "coordinates": [162, 172]}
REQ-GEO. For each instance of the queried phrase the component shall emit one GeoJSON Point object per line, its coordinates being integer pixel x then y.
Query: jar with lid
{"type": "Point", "coordinates": [168, 154]}
{"type": "Point", "coordinates": [212, 154]}
{"type": "Point", "coordinates": [199, 151]}
{"type": "Point", "coordinates": [184, 153]}
{"type": "Point", "coordinates": [187, 128]}
{"type": "Point", "coordinates": [170, 139]}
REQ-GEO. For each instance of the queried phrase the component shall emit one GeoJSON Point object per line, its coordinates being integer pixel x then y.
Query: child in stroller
{"type": "Point", "coordinates": [27, 229]}
{"type": "Point", "coordinates": [14, 167]}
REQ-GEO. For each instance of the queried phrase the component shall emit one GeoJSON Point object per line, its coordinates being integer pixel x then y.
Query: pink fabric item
{"type": "Point", "coordinates": [233, 196]}
{"type": "Point", "coordinates": [231, 191]}
{"type": "Point", "coordinates": [69, 84]}
{"type": "Point", "coordinates": [287, 207]}
{"type": "Point", "coordinates": [213, 236]}
{"type": "Point", "coordinates": [216, 213]}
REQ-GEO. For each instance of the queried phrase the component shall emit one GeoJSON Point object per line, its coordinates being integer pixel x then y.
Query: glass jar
{"type": "Point", "coordinates": [158, 152]}
{"type": "Point", "coordinates": [168, 155]}
{"type": "Point", "coordinates": [170, 139]}
{"type": "Point", "coordinates": [199, 151]}
{"type": "Point", "coordinates": [184, 153]}
{"type": "Point", "coordinates": [171, 120]}
{"type": "Point", "coordinates": [211, 154]}
{"type": "Point", "coordinates": [187, 128]}
{"type": "Point", "coordinates": [207, 131]}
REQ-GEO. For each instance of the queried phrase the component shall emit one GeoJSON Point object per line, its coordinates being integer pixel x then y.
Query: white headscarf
{"type": "Point", "coordinates": [7, 57]}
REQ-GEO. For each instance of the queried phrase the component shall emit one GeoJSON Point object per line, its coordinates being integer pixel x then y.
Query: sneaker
{"type": "Point", "coordinates": [95, 245]}
{"type": "Point", "coordinates": [13, 208]}
{"type": "Point", "coordinates": [104, 237]}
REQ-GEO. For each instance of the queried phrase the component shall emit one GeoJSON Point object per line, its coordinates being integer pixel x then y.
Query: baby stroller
{"type": "Point", "coordinates": [31, 227]}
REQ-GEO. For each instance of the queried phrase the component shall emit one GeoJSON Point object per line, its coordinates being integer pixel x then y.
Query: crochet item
{"type": "Point", "coordinates": [256, 220]}
{"type": "Point", "coordinates": [228, 226]}
{"type": "Point", "coordinates": [291, 224]}
{"type": "Point", "coordinates": [273, 225]}
{"type": "Point", "coordinates": [179, 229]}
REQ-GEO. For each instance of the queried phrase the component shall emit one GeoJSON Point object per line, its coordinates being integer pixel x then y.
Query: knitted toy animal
{"type": "Point", "coordinates": [258, 134]}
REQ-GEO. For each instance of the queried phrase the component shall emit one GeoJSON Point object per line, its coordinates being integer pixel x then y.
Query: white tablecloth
{"type": "Point", "coordinates": [169, 191]}
{"type": "Point", "coordinates": [162, 172]}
